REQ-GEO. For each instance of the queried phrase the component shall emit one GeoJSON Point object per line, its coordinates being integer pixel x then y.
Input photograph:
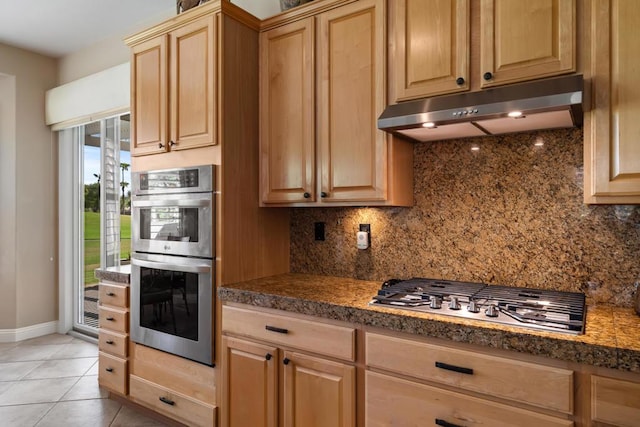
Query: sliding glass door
{"type": "Point", "coordinates": [101, 209]}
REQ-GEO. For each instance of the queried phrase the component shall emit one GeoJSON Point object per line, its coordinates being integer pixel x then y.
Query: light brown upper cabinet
{"type": "Point", "coordinates": [435, 43]}
{"type": "Point", "coordinates": [611, 128]}
{"type": "Point", "coordinates": [173, 89]}
{"type": "Point", "coordinates": [322, 87]}
{"type": "Point", "coordinates": [525, 40]}
{"type": "Point", "coordinates": [431, 43]}
{"type": "Point", "coordinates": [287, 113]}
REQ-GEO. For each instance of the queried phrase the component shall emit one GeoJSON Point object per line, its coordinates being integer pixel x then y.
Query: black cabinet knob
{"type": "Point", "coordinates": [110, 342]}
{"type": "Point", "coordinates": [268, 356]}
{"type": "Point", "coordinates": [306, 195]}
{"type": "Point", "coordinates": [460, 81]}
{"type": "Point", "coordinates": [160, 145]}
{"type": "Point", "coordinates": [109, 369]}
{"type": "Point", "coordinates": [323, 194]}
{"type": "Point", "coordinates": [286, 361]}
{"type": "Point", "coordinates": [171, 143]}
{"type": "Point", "coordinates": [487, 76]}
{"type": "Point", "coordinates": [111, 294]}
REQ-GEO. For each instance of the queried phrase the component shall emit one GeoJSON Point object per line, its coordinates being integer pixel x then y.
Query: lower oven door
{"type": "Point", "coordinates": [172, 305]}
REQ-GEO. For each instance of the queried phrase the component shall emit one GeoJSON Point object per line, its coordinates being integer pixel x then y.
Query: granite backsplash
{"type": "Point", "coordinates": [508, 212]}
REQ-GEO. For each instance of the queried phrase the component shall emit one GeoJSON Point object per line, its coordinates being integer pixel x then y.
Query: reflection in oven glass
{"type": "Point", "coordinates": [169, 302]}
{"type": "Point", "coordinates": [162, 180]}
{"type": "Point", "coordinates": [169, 224]}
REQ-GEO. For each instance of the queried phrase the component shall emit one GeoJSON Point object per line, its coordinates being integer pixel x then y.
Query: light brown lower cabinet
{"type": "Point", "coordinates": [113, 337]}
{"type": "Point", "coordinates": [316, 392]}
{"type": "Point", "coordinates": [251, 384]}
{"type": "Point", "coordinates": [173, 386]}
{"type": "Point", "coordinates": [168, 402]}
{"type": "Point", "coordinates": [393, 401]}
{"type": "Point", "coordinates": [275, 371]}
{"type": "Point", "coordinates": [615, 402]}
{"type": "Point", "coordinates": [421, 381]}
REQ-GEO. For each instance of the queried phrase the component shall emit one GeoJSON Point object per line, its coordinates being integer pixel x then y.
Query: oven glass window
{"type": "Point", "coordinates": [164, 180]}
{"type": "Point", "coordinates": [169, 224]}
{"type": "Point", "coordinates": [169, 302]}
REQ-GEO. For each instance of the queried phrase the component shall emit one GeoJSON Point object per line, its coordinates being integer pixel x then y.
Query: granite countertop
{"type": "Point", "coordinates": [120, 274]}
{"type": "Point", "coordinates": [611, 339]}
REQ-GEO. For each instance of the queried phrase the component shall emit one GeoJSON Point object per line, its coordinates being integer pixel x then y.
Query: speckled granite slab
{"type": "Point", "coordinates": [611, 340]}
{"type": "Point", "coordinates": [121, 274]}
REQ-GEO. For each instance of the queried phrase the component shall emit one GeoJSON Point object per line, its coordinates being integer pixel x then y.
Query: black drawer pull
{"type": "Point", "coordinates": [454, 368]}
{"type": "Point", "coordinates": [268, 356]}
{"type": "Point", "coordinates": [444, 423]}
{"type": "Point", "coordinates": [109, 342]}
{"type": "Point", "coordinates": [110, 319]}
{"type": "Point", "coordinates": [278, 330]}
{"type": "Point", "coordinates": [166, 400]}
{"type": "Point", "coordinates": [109, 369]}
{"type": "Point", "coordinates": [111, 294]}
{"type": "Point", "coordinates": [286, 361]}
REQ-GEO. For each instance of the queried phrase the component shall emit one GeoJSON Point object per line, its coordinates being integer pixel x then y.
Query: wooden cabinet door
{"type": "Point", "coordinates": [430, 48]}
{"type": "Point", "coordinates": [612, 151]}
{"type": "Point", "coordinates": [193, 85]}
{"type": "Point", "coordinates": [615, 402]}
{"type": "Point", "coordinates": [250, 388]}
{"type": "Point", "coordinates": [524, 40]}
{"type": "Point", "coordinates": [317, 392]}
{"type": "Point", "coordinates": [149, 97]}
{"type": "Point", "coordinates": [351, 77]}
{"type": "Point", "coordinates": [287, 114]}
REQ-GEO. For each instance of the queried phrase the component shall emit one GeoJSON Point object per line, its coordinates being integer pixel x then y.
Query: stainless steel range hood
{"type": "Point", "coordinates": [542, 104]}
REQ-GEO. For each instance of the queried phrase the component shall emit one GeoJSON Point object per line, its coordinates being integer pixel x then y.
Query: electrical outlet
{"type": "Point", "coordinates": [364, 236]}
{"type": "Point", "coordinates": [318, 229]}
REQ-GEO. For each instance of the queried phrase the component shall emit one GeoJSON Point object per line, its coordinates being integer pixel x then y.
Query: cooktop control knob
{"type": "Point", "coordinates": [435, 303]}
{"type": "Point", "coordinates": [491, 311]}
{"type": "Point", "coordinates": [473, 307]}
{"type": "Point", "coordinates": [454, 304]}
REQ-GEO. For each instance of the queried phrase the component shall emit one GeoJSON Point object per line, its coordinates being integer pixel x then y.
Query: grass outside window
{"type": "Point", "coordinates": [92, 243]}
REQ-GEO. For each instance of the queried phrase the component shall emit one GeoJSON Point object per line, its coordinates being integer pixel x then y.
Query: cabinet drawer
{"type": "Point", "coordinates": [113, 319]}
{"type": "Point", "coordinates": [615, 402]}
{"type": "Point", "coordinates": [112, 373]}
{"type": "Point", "coordinates": [113, 343]}
{"type": "Point", "coordinates": [538, 385]}
{"type": "Point", "coordinates": [392, 401]}
{"type": "Point", "coordinates": [174, 405]}
{"type": "Point", "coordinates": [319, 338]}
{"type": "Point", "coordinates": [115, 295]}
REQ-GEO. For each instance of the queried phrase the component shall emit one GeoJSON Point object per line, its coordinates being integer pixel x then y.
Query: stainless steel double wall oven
{"type": "Point", "coordinates": [172, 268]}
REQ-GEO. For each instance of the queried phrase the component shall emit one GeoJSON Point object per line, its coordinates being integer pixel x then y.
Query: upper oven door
{"type": "Point", "coordinates": [173, 224]}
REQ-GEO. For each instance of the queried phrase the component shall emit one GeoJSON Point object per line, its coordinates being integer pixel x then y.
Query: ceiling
{"type": "Point", "coordinates": [58, 27]}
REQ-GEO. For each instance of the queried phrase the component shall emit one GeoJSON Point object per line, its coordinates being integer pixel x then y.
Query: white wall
{"type": "Point", "coordinates": [105, 54]}
{"type": "Point", "coordinates": [259, 8]}
{"type": "Point", "coordinates": [28, 165]}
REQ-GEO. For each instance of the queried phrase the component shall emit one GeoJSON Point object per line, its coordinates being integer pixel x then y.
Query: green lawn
{"type": "Point", "coordinates": [92, 243]}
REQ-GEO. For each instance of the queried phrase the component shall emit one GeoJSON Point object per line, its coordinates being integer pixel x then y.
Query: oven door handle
{"type": "Point", "coordinates": [201, 268]}
{"type": "Point", "coordinates": [194, 203]}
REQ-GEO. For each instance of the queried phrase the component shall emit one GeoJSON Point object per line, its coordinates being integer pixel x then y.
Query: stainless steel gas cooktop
{"type": "Point", "coordinates": [531, 308]}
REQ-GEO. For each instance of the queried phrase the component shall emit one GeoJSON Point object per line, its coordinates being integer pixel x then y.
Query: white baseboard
{"type": "Point", "coordinates": [33, 331]}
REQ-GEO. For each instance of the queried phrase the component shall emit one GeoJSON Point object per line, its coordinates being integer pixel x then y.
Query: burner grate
{"type": "Point", "coordinates": [533, 308]}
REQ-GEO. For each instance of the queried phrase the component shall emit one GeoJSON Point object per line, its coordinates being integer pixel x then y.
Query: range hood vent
{"type": "Point", "coordinates": [542, 104]}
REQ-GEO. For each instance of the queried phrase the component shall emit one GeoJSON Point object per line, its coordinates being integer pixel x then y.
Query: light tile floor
{"type": "Point", "coordinates": [52, 381]}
